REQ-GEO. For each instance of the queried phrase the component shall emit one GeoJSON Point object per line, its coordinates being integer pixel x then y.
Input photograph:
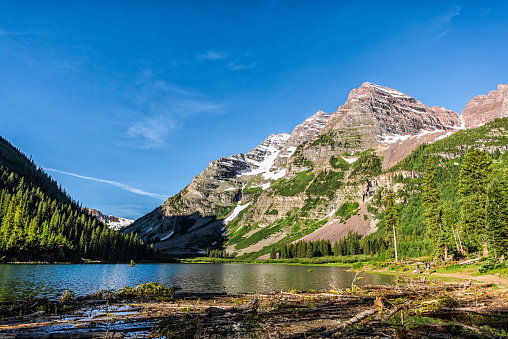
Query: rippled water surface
{"type": "Point", "coordinates": [19, 281]}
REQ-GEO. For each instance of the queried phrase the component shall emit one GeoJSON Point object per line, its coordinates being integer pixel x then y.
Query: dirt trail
{"type": "Point", "coordinates": [488, 278]}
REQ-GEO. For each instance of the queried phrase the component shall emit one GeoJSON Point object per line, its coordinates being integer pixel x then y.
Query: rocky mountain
{"type": "Point", "coordinates": [485, 108]}
{"type": "Point", "coordinates": [299, 186]}
{"type": "Point", "coordinates": [115, 223]}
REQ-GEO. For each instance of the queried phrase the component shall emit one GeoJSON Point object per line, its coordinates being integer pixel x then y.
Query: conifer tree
{"type": "Point", "coordinates": [392, 220]}
{"type": "Point", "coordinates": [433, 210]}
{"type": "Point", "coordinates": [497, 215]}
{"type": "Point", "coordinates": [273, 253]}
{"type": "Point", "coordinates": [473, 180]}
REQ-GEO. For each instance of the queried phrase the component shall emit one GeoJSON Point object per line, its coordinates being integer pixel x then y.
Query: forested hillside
{"type": "Point", "coordinates": [40, 222]}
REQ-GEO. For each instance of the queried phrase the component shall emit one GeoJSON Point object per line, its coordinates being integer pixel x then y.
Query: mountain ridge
{"type": "Point", "coordinates": [328, 160]}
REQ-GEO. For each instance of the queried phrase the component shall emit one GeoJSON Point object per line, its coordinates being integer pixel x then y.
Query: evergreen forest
{"type": "Point", "coordinates": [40, 222]}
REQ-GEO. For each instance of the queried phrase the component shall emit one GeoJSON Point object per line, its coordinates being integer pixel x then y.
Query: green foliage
{"type": "Point", "coordinates": [497, 215]}
{"type": "Point", "coordinates": [325, 184]}
{"type": "Point", "coordinates": [295, 186]}
{"type": "Point", "coordinates": [272, 212]}
{"type": "Point", "coordinates": [433, 210]}
{"type": "Point", "coordinates": [264, 233]}
{"type": "Point", "coordinates": [298, 157]}
{"type": "Point", "coordinates": [392, 221]}
{"type": "Point", "coordinates": [347, 209]}
{"type": "Point", "coordinates": [474, 177]}
{"type": "Point", "coordinates": [339, 163]}
{"type": "Point", "coordinates": [310, 204]}
{"type": "Point", "coordinates": [325, 140]}
{"type": "Point", "coordinates": [252, 190]}
{"type": "Point", "coordinates": [369, 165]}
{"type": "Point", "coordinates": [151, 289]}
{"type": "Point", "coordinates": [217, 253]}
{"type": "Point", "coordinates": [40, 226]}
{"type": "Point", "coordinates": [491, 264]}
{"type": "Point", "coordinates": [68, 295]}
{"type": "Point", "coordinates": [357, 266]}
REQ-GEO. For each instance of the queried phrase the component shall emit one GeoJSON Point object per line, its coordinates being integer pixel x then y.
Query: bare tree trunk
{"type": "Point", "coordinates": [455, 238]}
{"type": "Point", "coordinates": [395, 245]}
{"type": "Point", "coordinates": [485, 248]}
{"type": "Point", "coordinates": [460, 242]}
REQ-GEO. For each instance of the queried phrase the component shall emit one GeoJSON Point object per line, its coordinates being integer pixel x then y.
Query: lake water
{"type": "Point", "coordinates": [19, 281]}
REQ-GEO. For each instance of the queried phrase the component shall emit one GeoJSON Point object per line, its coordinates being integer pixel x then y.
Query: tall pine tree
{"type": "Point", "coordinates": [473, 180]}
{"type": "Point", "coordinates": [497, 215]}
{"type": "Point", "coordinates": [392, 222]}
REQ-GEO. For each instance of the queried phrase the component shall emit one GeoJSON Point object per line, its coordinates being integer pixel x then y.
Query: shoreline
{"type": "Point", "coordinates": [412, 308]}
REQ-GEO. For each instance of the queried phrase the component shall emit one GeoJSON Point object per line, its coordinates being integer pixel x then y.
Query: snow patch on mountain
{"type": "Point", "coordinates": [235, 212]}
{"type": "Point", "coordinates": [168, 236]}
{"type": "Point", "coordinates": [350, 160]}
{"type": "Point", "coordinates": [117, 223]}
{"type": "Point", "coordinates": [444, 136]}
{"type": "Point", "coordinates": [261, 159]}
{"type": "Point", "coordinates": [393, 138]}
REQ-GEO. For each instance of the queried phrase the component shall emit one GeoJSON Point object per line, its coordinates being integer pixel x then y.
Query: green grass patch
{"type": "Point", "coordinates": [326, 184]}
{"type": "Point", "coordinates": [347, 209]}
{"type": "Point", "coordinates": [339, 163]}
{"type": "Point", "coordinates": [295, 186]}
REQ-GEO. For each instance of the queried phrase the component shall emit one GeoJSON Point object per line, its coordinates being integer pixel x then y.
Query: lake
{"type": "Point", "coordinates": [19, 281]}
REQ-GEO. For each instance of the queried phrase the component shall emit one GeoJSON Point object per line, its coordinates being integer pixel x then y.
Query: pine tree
{"type": "Point", "coordinates": [273, 253]}
{"type": "Point", "coordinates": [392, 220]}
{"type": "Point", "coordinates": [473, 180]}
{"type": "Point", "coordinates": [433, 210]}
{"type": "Point", "coordinates": [497, 215]}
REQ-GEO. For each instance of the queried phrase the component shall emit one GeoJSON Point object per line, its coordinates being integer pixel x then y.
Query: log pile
{"type": "Point", "coordinates": [373, 311]}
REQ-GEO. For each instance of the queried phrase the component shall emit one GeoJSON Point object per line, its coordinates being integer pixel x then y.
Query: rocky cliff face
{"type": "Point", "coordinates": [375, 117]}
{"type": "Point", "coordinates": [485, 108]}
{"type": "Point", "coordinates": [290, 185]}
{"type": "Point", "coordinates": [307, 130]}
{"type": "Point", "coordinates": [377, 111]}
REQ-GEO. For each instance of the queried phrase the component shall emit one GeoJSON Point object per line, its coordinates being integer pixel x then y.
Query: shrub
{"type": "Point", "coordinates": [347, 209]}
{"type": "Point", "coordinates": [295, 186]}
{"type": "Point", "coordinates": [339, 163]}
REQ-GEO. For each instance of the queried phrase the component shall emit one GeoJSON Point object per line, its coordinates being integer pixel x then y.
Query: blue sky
{"type": "Point", "coordinates": [124, 102]}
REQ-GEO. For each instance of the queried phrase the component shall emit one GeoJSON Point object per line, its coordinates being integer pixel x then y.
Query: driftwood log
{"type": "Point", "coordinates": [251, 307]}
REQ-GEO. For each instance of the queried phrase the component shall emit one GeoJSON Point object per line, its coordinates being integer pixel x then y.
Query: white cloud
{"type": "Point", "coordinates": [160, 108]}
{"type": "Point", "coordinates": [235, 67]}
{"type": "Point", "coordinates": [3, 32]}
{"type": "Point", "coordinates": [114, 183]}
{"type": "Point", "coordinates": [212, 55]}
{"type": "Point", "coordinates": [151, 132]}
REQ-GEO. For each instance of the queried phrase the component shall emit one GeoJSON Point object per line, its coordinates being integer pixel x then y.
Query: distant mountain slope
{"type": "Point", "coordinates": [317, 182]}
{"type": "Point", "coordinates": [115, 223]}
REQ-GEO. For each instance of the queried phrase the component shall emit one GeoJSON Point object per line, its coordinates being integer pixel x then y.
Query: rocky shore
{"type": "Point", "coordinates": [411, 308]}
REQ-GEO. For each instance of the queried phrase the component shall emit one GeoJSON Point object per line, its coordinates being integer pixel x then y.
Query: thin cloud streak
{"type": "Point", "coordinates": [212, 55]}
{"type": "Point", "coordinates": [436, 30]}
{"type": "Point", "coordinates": [114, 183]}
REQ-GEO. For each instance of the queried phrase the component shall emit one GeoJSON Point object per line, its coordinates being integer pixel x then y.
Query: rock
{"type": "Point", "coordinates": [485, 108]}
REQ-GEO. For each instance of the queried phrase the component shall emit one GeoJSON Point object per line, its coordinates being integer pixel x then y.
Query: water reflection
{"type": "Point", "coordinates": [19, 281]}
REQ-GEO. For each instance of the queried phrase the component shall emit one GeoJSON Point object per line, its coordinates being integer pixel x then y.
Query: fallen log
{"type": "Point", "coordinates": [390, 314]}
{"type": "Point", "coordinates": [480, 310]}
{"type": "Point", "coordinates": [23, 317]}
{"type": "Point", "coordinates": [251, 307]}
{"type": "Point", "coordinates": [360, 316]}
{"type": "Point", "coordinates": [468, 262]}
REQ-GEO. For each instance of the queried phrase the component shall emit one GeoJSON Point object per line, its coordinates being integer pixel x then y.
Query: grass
{"type": "Point", "coordinates": [295, 186]}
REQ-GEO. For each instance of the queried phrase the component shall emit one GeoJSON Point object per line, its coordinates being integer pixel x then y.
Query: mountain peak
{"type": "Point", "coordinates": [485, 108]}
